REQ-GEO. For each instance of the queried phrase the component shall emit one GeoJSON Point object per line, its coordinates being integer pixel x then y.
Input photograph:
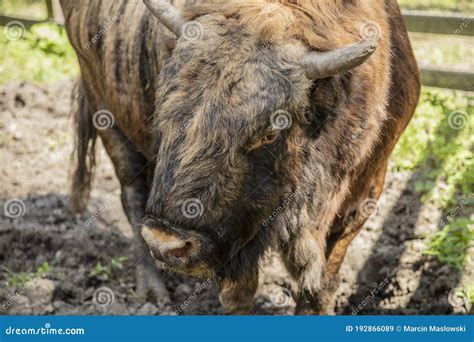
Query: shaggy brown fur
{"type": "Point", "coordinates": [211, 101]}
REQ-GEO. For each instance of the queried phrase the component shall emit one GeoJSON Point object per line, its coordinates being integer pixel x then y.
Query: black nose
{"type": "Point", "coordinates": [169, 248]}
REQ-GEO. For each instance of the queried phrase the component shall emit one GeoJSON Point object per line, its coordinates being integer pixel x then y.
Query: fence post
{"type": "Point", "coordinates": [49, 7]}
{"type": "Point", "coordinates": [58, 12]}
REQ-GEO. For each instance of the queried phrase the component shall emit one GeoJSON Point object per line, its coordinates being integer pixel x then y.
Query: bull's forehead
{"type": "Point", "coordinates": [229, 87]}
{"type": "Point", "coordinates": [233, 104]}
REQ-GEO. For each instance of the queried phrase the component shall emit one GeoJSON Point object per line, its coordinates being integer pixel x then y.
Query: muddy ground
{"type": "Point", "coordinates": [54, 264]}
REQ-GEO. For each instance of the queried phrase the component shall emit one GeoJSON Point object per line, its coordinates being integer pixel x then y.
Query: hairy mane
{"type": "Point", "coordinates": [315, 22]}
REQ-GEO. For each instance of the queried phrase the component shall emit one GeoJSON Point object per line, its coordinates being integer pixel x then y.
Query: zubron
{"type": "Point", "coordinates": [237, 105]}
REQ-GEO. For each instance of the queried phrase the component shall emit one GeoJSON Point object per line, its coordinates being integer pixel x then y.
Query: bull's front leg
{"type": "Point", "coordinates": [304, 258]}
{"type": "Point", "coordinates": [316, 272]}
{"type": "Point", "coordinates": [237, 297]}
{"type": "Point", "coordinates": [131, 169]}
{"type": "Point", "coordinates": [348, 225]}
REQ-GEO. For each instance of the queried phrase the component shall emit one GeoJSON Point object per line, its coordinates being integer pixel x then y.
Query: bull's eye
{"type": "Point", "coordinates": [267, 139]}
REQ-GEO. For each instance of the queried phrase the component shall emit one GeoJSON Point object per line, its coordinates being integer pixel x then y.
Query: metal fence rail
{"type": "Point", "coordinates": [416, 21]}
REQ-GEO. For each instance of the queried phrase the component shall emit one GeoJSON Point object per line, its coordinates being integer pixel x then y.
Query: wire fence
{"type": "Point", "coordinates": [452, 25]}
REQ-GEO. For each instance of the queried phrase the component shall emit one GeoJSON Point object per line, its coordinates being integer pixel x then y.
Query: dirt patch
{"type": "Point", "coordinates": [54, 264]}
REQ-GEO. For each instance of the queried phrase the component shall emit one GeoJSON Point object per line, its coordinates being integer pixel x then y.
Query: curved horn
{"type": "Point", "coordinates": [167, 14]}
{"type": "Point", "coordinates": [325, 64]}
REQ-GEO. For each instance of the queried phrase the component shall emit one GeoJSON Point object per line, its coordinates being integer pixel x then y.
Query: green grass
{"type": "Point", "coordinates": [470, 293]}
{"type": "Point", "coordinates": [451, 244]}
{"type": "Point", "coordinates": [104, 272]}
{"type": "Point", "coordinates": [431, 144]}
{"type": "Point", "coordinates": [20, 279]}
{"type": "Point", "coordinates": [42, 55]}
{"type": "Point", "coordinates": [440, 149]}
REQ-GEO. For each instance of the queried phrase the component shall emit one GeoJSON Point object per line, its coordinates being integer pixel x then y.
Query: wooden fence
{"type": "Point", "coordinates": [452, 25]}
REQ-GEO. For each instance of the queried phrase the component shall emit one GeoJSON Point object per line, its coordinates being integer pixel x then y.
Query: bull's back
{"type": "Point", "coordinates": [401, 103]}
{"type": "Point", "coordinates": [406, 83]}
{"type": "Point", "coordinates": [120, 52]}
{"type": "Point", "coordinates": [403, 93]}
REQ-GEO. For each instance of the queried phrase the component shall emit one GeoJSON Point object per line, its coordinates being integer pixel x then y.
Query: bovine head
{"type": "Point", "coordinates": [231, 121]}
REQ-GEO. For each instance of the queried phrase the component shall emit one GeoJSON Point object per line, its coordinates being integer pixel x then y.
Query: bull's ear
{"type": "Point", "coordinates": [167, 14]}
{"type": "Point", "coordinates": [326, 64]}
